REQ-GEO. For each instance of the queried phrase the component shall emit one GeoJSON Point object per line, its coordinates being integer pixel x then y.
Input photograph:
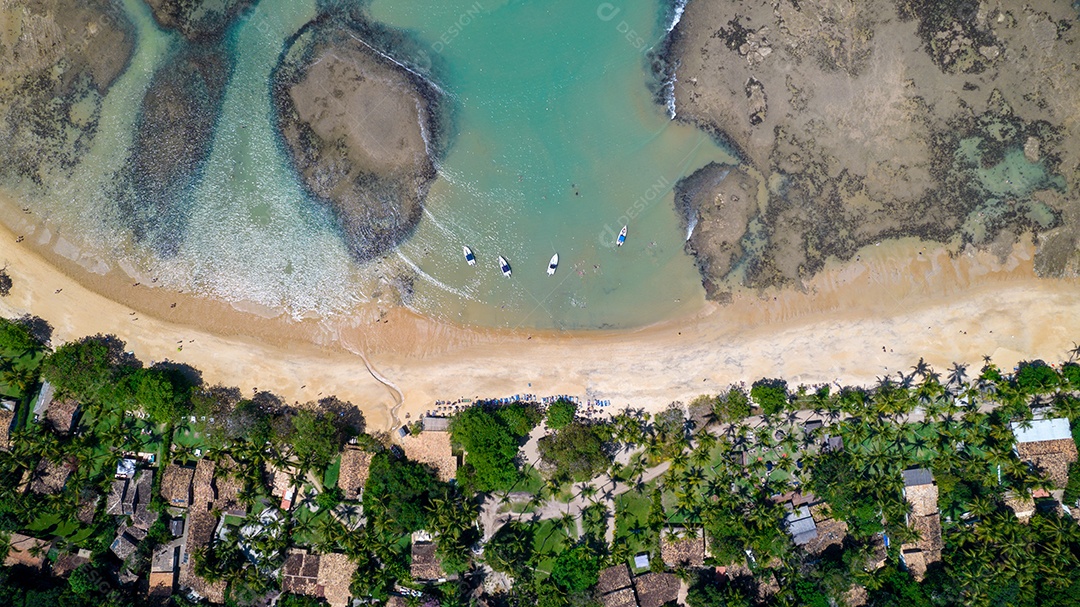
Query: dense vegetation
{"type": "Point", "coordinates": [591, 495]}
{"type": "Point", "coordinates": [492, 437]}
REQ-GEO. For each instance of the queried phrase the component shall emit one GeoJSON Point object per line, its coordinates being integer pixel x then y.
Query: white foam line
{"type": "Point", "coordinates": [432, 279]}
{"type": "Point", "coordinates": [400, 64]}
{"type": "Point", "coordinates": [452, 234]}
{"type": "Point", "coordinates": [680, 7]}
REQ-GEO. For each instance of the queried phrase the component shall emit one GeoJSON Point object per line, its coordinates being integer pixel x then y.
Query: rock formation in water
{"type": "Point", "coordinates": [719, 201]}
{"type": "Point", "coordinates": [954, 122]}
{"type": "Point", "coordinates": [173, 139]}
{"type": "Point", "coordinates": [197, 19]}
{"type": "Point", "coordinates": [174, 131]}
{"type": "Point", "coordinates": [58, 58]}
{"type": "Point", "coordinates": [359, 129]}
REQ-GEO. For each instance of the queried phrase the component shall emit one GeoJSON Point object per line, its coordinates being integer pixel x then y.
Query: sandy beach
{"type": "Point", "coordinates": [852, 323]}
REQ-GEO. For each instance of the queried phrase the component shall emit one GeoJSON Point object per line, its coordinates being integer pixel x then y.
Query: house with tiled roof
{"type": "Point", "coordinates": [613, 578]}
{"type": "Point", "coordinates": [324, 576]}
{"type": "Point", "coordinates": [921, 492]}
{"type": "Point", "coordinates": [656, 589]}
{"type": "Point", "coordinates": [60, 415]}
{"type": "Point", "coordinates": [26, 551]}
{"type": "Point", "coordinates": [283, 485]}
{"type": "Point", "coordinates": [213, 592]}
{"type": "Point", "coordinates": [49, 477]}
{"type": "Point", "coordinates": [143, 517]}
{"type": "Point", "coordinates": [613, 587]}
{"type": "Point", "coordinates": [227, 489]}
{"type": "Point", "coordinates": [877, 552]}
{"type": "Point", "coordinates": [68, 562]}
{"type": "Point", "coordinates": [335, 575]}
{"type": "Point", "coordinates": [176, 485]}
{"type": "Point", "coordinates": [1048, 447]}
{"type": "Point", "coordinates": [624, 597]}
{"type": "Point", "coordinates": [433, 449]}
{"type": "Point", "coordinates": [300, 573]}
{"type": "Point", "coordinates": [87, 508]}
{"type": "Point", "coordinates": [681, 547]}
{"type": "Point", "coordinates": [115, 500]}
{"type": "Point", "coordinates": [201, 525]}
{"type": "Point", "coordinates": [123, 546]}
{"type": "Point", "coordinates": [7, 418]}
{"type": "Point", "coordinates": [354, 472]}
{"type": "Point", "coordinates": [426, 566]}
{"type": "Point", "coordinates": [160, 586]}
{"type": "Point", "coordinates": [830, 531]}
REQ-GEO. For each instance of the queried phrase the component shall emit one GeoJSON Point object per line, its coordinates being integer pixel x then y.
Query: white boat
{"type": "Point", "coordinates": [469, 257]}
{"type": "Point", "coordinates": [554, 263]}
{"type": "Point", "coordinates": [622, 237]}
{"type": "Point", "coordinates": [504, 266]}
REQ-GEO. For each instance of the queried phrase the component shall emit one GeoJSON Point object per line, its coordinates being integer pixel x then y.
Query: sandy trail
{"type": "Point", "coordinates": [851, 323]}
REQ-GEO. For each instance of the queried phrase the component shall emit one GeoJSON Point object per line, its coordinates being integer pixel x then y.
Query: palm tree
{"type": "Point", "coordinates": [957, 375]}
{"type": "Point", "coordinates": [921, 368]}
{"type": "Point", "coordinates": [568, 522]}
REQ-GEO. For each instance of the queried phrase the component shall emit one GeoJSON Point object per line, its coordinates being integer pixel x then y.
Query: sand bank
{"type": "Point", "coordinates": [852, 323]}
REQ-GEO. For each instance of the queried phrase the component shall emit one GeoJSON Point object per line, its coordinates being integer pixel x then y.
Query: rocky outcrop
{"type": "Point", "coordinates": [358, 128]}
{"type": "Point", "coordinates": [717, 203]}
{"type": "Point", "coordinates": [58, 59]}
{"type": "Point", "coordinates": [882, 119]}
{"type": "Point", "coordinates": [197, 20]}
{"type": "Point", "coordinates": [173, 139]}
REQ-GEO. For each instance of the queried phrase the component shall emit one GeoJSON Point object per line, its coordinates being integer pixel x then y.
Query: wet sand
{"type": "Point", "coordinates": [910, 300]}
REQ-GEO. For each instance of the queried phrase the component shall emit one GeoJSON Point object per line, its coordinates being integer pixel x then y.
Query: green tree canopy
{"type": "Point", "coordinates": [560, 414]}
{"type": "Point", "coordinates": [16, 339]}
{"type": "Point", "coordinates": [1070, 372]}
{"type": "Point", "coordinates": [398, 493]}
{"type": "Point", "coordinates": [519, 418]}
{"type": "Point", "coordinates": [492, 449]}
{"type": "Point", "coordinates": [710, 591]}
{"type": "Point", "coordinates": [577, 452]}
{"type": "Point", "coordinates": [163, 394]}
{"type": "Point", "coordinates": [316, 439]}
{"type": "Point", "coordinates": [83, 369]}
{"type": "Point", "coordinates": [1036, 377]}
{"type": "Point", "coordinates": [732, 406]}
{"type": "Point", "coordinates": [576, 570]}
{"type": "Point", "coordinates": [832, 479]}
{"type": "Point", "coordinates": [299, 600]}
{"type": "Point", "coordinates": [770, 394]}
{"type": "Point", "coordinates": [510, 549]}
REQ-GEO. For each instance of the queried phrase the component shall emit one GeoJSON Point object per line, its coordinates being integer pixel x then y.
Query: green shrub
{"type": "Point", "coordinates": [770, 394]}
{"type": "Point", "coordinates": [560, 414]}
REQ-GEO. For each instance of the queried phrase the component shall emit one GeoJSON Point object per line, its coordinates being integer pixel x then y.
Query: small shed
{"type": "Point", "coordinates": [641, 561]}
{"type": "Point", "coordinates": [801, 526]}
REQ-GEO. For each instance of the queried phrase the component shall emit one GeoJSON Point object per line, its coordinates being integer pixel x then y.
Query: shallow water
{"type": "Point", "coordinates": [557, 143]}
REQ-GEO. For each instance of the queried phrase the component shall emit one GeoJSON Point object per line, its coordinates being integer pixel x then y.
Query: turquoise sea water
{"type": "Point", "coordinates": [557, 142]}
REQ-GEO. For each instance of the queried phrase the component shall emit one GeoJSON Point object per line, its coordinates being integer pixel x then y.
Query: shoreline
{"type": "Point", "coordinates": [914, 300]}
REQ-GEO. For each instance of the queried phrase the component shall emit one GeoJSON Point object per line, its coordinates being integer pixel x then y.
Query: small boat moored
{"type": "Point", "coordinates": [553, 264]}
{"type": "Point", "coordinates": [622, 237]}
{"type": "Point", "coordinates": [504, 266]}
{"type": "Point", "coordinates": [469, 257]}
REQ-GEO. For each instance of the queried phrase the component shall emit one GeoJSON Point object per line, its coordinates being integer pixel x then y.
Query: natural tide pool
{"type": "Point", "coordinates": [556, 143]}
